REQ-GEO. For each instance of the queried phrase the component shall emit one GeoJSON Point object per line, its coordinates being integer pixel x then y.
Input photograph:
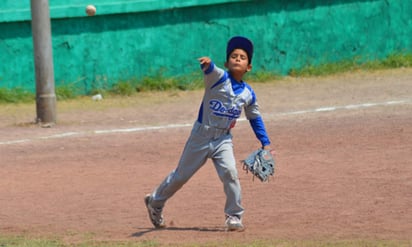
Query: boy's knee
{"type": "Point", "coordinates": [230, 174]}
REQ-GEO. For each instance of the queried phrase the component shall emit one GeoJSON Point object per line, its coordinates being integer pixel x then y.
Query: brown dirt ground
{"type": "Point", "coordinates": [341, 174]}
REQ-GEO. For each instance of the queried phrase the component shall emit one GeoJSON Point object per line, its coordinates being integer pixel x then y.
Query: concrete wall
{"type": "Point", "coordinates": [132, 39]}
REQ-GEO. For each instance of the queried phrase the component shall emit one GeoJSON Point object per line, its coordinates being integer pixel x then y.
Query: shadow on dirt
{"type": "Point", "coordinates": [144, 231]}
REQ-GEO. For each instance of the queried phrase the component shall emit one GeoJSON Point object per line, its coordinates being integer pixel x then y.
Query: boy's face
{"type": "Point", "coordinates": [238, 62]}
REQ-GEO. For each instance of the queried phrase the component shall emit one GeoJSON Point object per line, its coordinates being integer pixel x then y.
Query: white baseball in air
{"type": "Point", "coordinates": [90, 10]}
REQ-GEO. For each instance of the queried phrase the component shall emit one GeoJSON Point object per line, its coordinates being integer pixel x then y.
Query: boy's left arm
{"type": "Point", "coordinates": [256, 122]}
{"type": "Point", "coordinates": [261, 162]}
{"type": "Point", "coordinates": [259, 129]}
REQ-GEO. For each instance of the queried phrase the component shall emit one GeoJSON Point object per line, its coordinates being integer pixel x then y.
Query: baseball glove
{"type": "Point", "coordinates": [261, 164]}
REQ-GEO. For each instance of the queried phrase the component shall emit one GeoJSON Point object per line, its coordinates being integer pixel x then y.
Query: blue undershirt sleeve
{"type": "Point", "coordinates": [210, 69]}
{"type": "Point", "coordinates": [259, 128]}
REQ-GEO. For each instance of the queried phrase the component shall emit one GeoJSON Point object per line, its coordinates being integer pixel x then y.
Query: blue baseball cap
{"type": "Point", "coordinates": [239, 42]}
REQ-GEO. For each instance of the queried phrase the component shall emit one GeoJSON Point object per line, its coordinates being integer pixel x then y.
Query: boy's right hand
{"type": "Point", "coordinates": [205, 62]}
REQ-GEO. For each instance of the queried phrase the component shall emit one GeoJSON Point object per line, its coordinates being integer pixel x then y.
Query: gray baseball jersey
{"type": "Point", "coordinates": [222, 104]}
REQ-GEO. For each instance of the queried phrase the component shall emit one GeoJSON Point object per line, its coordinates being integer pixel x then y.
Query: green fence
{"type": "Point", "coordinates": [133, 39]}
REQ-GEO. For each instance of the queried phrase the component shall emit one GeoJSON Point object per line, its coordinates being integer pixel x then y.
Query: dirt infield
{"type": "Point", "coordinates": [344, 166]}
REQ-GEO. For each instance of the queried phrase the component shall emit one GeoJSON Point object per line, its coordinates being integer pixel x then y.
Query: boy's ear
{"type": "Point", "coordinates": [225, 64]}
{"type": "Point", "coordinates": [249, 68]}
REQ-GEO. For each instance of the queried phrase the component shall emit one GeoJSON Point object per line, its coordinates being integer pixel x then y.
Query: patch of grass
{"type": "Point", "coordinates": [87, 241]}
{"type": "Point", "coordinates": [391, 62]}
{"type": "Point", "coordinates": [397, 61]}
{"type": "Point", "coordinates": [157, 82]}
{"type": "Point", "coordinates": [16, 95]}
{"type": "Point", "coordinates": [324, 69]}
{"type": "Point", "coordinates": [123, 88]}
{"type": "Point", "coordinates": [306, 243]}
{"type": "Point", "coordinates": [66, 91]}
{"type": "Point", "coordinates": [19, 95]}
{"type": "Point", "coordinates": [32, 242]}
{"type": "Point", "coordinates": [22, 241]}
{"type": "Point", "coordinates": [160, 82]}
{"type": "Point", "coordinates": [263, 76]}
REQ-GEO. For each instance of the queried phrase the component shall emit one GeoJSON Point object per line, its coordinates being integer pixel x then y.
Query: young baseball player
{"type": "Point", "coordinates": [226, 94]}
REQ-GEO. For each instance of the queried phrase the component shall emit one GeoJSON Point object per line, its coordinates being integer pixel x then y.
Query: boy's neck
{"type": "Point", "coordinates": [237, 76]}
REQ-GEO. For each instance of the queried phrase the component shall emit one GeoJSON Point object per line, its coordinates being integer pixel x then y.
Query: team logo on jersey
{"type": "Point", "coordinates": [219, 109]}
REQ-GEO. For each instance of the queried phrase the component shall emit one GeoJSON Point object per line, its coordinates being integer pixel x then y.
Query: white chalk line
{"type": "Point", "coordinates": [346, 107]}
{"type": "Point", "coordinates": [174, 126]}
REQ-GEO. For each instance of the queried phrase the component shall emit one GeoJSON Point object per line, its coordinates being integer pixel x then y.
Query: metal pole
{"type": "Point", "coordinates": [43, 59]}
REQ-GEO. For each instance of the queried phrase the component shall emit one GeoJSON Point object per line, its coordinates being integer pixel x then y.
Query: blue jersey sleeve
{"type": "Point", "coordinates": [260, 131]}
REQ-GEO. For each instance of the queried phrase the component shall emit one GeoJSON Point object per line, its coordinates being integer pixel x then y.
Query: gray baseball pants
{"type": "Point", "coordinates": [204, 142]}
